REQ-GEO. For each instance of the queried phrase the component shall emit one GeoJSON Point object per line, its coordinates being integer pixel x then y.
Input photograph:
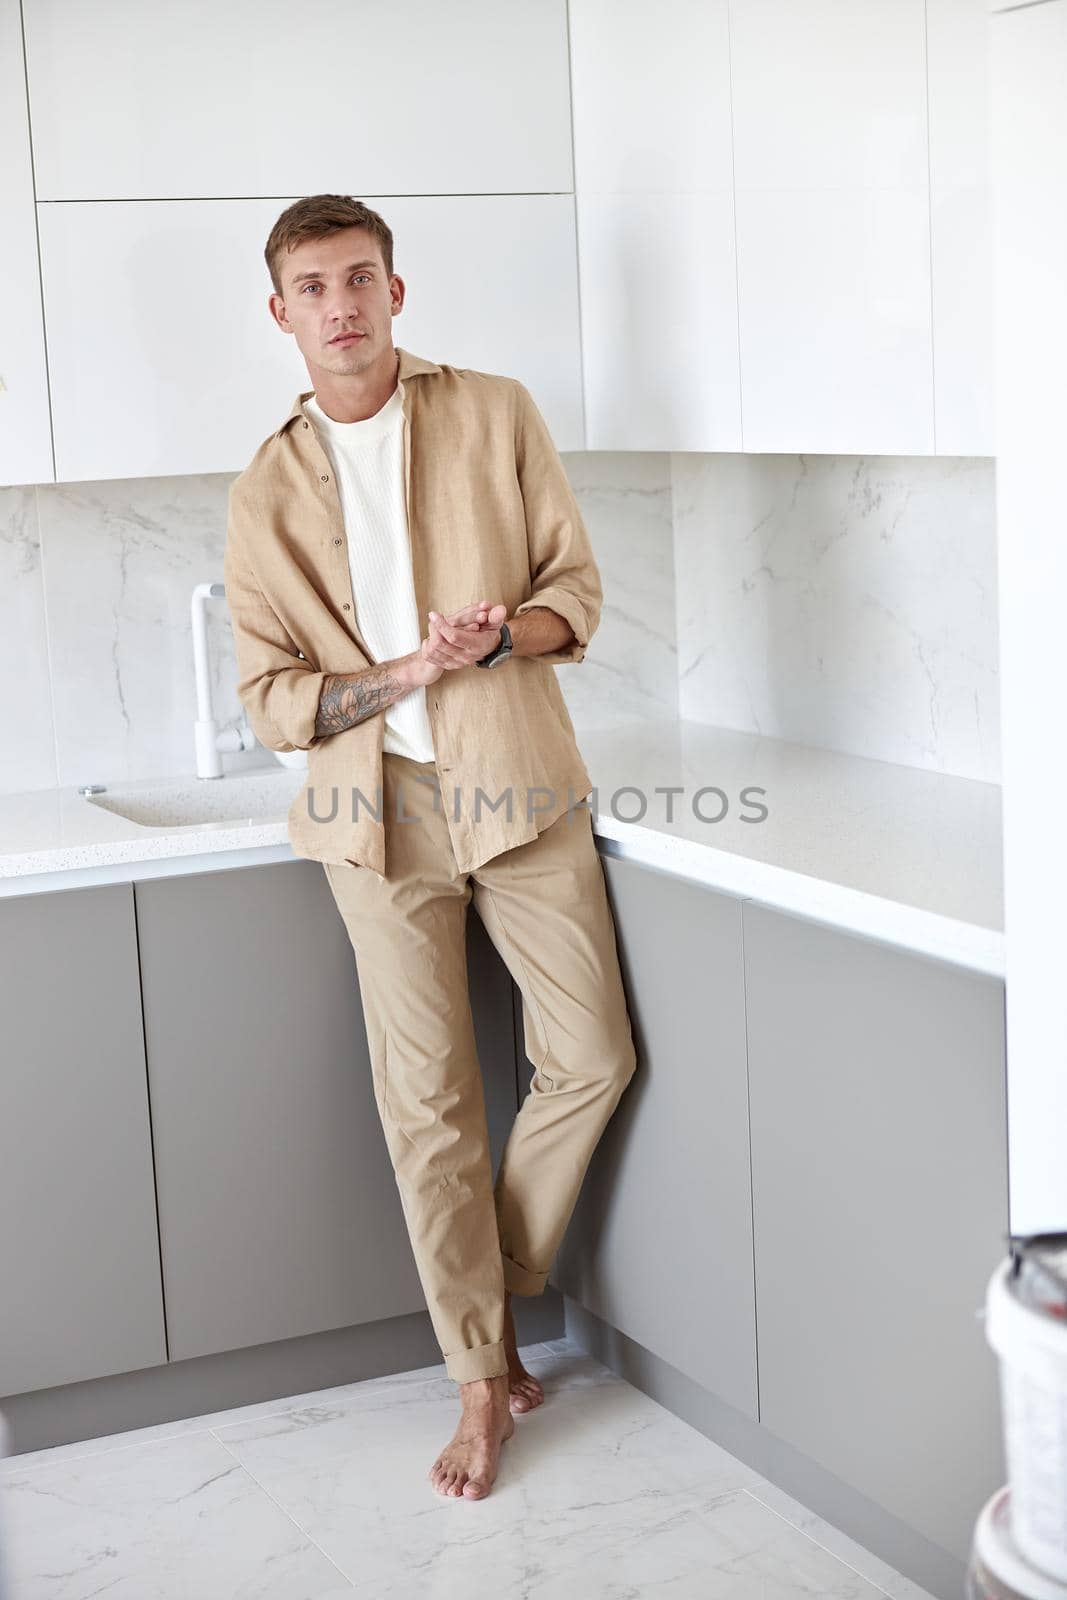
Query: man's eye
{"type": "Point", "coordinates": [308, 286]}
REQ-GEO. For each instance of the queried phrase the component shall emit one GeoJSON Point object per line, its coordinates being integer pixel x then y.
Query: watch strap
{"type": "Point", "coordinates": [502, 649]}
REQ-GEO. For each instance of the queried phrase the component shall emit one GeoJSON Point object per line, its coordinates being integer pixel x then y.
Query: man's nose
{"type": "Point", "coordinates": [343, 312]}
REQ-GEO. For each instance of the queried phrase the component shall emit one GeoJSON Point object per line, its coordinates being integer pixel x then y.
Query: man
{"type": "Point", "coordinates": [442, 766]}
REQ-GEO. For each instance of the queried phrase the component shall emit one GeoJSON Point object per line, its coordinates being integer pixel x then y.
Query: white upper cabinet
{"type": "Point", "coordinates": [165, 359]}
{"type": "Point", "coordinates": [783, 231]}
{"type": "Point", "coordinates": [958, 36]}
{"type": "Point", "coordinates": [833, 236]}
{"type": "Point", "coordinates": [654, 201]}
{"type": "Point", "coordinates": [651, 96]}
{"type": "Point", "coordinates": [131, 100]}
{"type": "Point", "coordinates": [25, 436]}
{"type": "Point", "coordinates": [776, 217]}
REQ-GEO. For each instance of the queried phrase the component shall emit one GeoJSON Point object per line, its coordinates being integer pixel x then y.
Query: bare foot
{"type": "Point", "coordinates": [467, 1464]}
{"type": "Point", "coordinates": [524, 1391]}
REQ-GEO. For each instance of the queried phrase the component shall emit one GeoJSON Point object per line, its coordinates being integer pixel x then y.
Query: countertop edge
{"type": "Point", "coordinates": [909, 928]}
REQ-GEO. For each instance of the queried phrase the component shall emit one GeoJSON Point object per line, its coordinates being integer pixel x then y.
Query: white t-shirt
{"type": "Point", "coordinates": [368, 463]}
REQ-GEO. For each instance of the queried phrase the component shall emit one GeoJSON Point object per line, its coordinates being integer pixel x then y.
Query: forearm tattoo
{"type": "Point", "coordinates": [348, 698]}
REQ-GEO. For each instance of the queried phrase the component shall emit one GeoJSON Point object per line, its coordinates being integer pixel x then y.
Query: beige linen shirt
{"type": "Point", "coordinates": [490, 515]}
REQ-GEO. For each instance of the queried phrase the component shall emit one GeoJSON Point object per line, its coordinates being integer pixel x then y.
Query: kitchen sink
{"type": "Point", "coordinates": [204, 802]}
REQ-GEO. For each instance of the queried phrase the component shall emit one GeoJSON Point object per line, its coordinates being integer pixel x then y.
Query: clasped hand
{"type": "Point", "coordinates": [464, 637]}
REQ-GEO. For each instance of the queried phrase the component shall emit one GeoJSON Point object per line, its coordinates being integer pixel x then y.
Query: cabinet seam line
{"type": "Point", "coordinates": [151, 1127]}
{"type": "Point", "coordinates": [751, 1184]}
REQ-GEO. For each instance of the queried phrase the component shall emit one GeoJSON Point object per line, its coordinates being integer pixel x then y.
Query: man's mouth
{"type": "Point", "coordinates": [347, 338]}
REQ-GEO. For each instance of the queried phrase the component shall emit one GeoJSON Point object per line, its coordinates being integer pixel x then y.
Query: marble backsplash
{"type": "Point", "coordinates": [841, 601]}
{"type": "Point", "coordinates": [848, 602]}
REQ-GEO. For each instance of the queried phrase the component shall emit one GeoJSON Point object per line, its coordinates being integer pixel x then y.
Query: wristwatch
{"type": "Point", "coordinates": [502, 651]}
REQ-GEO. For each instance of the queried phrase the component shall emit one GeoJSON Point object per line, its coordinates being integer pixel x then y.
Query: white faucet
{"type": "Point", "coordinates": [210, 743]}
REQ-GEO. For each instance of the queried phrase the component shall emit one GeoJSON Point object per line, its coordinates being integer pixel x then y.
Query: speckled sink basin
{"type": "Point", "coordinates": [202, 802]}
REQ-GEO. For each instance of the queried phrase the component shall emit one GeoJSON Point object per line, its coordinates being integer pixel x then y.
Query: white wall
{"type": "Point", "coordinates": [1029, 143]}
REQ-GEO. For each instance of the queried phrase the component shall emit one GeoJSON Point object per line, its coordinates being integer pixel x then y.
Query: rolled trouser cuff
{"type": "Point", "coordinates": [484, 1361]}
{"type": "Point", "coordinates": [520, 1280]}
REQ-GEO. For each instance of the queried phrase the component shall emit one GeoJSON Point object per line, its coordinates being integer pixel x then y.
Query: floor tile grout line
{"type": "Point", "coordinates": [10, 1470]}
{"type": "Point", "coordinates": [753, 1494]}
{"type": "Point", "coordinates": [351, 1582]}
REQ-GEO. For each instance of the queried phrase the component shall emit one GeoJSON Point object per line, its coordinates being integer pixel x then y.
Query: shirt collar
{"type": "Point", "coordinates": [410, 366]}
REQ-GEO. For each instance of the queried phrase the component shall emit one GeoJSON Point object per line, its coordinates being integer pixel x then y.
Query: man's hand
{"type": "Point", "coordinates": [466, 636]}
{"type": "Point", "coordinates": [454, 641]}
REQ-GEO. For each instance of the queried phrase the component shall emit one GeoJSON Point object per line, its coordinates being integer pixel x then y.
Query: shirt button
{"type": "Point", "coordinates": [325, 477]}
{"type": "Point", "coordinates": [305, 424]}
{"type": "Point", "coordinates": [346, 606]}
{"type": "Point", "coordinates": [337, 541]}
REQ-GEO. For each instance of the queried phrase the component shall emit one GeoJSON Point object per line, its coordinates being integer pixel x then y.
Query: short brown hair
{"type": "Point", "coordinates": [314, 218]}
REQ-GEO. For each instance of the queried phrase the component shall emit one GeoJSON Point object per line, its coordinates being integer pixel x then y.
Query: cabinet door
{"type": "Point", "coordinates": [661, 370]}
{"type": "Point", "coordinates": [654, 198]}
{"type": "Point", "coordinates": [660, 1244]}
{"type": "Point", "coordinates": [79, 1250]}
{"type": "Point", "coordinates": [256, 97]}
{"type": "Point", "coordinates": [961, 242]}
{"type": "Point", "coordinates": [879, 1175]}
{"type": "Point", "coordinates": [833, 225]}
{"type": "Point", "coordinates": [279, 1211]}
{"type": "Point", "coordinates": [25, 432]}
{"type": "Point", "coordinates": [155, 393]}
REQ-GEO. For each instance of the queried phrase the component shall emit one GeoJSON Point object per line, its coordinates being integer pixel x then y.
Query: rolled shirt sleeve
{"type": "Point", "coordinates": [278, 689]}
{"type": "Point", "coordinates": [563, 572]}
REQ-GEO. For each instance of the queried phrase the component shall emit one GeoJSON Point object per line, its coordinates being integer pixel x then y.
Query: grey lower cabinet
{"type": "Point", "coordinates": [80, 1292]}
{"type": "Point", "coordinates": [879, 1176]}
{"type": "Point", "coordinates": [660, 1242]}
{"type": "Point", "coordinates": [279, 1214]}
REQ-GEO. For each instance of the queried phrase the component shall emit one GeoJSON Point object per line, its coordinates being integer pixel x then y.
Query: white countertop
{"type": "Point", "coordinates": [893, 853]}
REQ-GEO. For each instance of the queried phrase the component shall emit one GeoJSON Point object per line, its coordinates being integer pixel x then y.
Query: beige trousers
{"type": "Point", "coordinates": [544, 905]}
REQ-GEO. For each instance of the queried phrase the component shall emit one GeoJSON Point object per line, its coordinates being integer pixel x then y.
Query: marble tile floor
{"type": "Point", "coordinates": [602, 1494]}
